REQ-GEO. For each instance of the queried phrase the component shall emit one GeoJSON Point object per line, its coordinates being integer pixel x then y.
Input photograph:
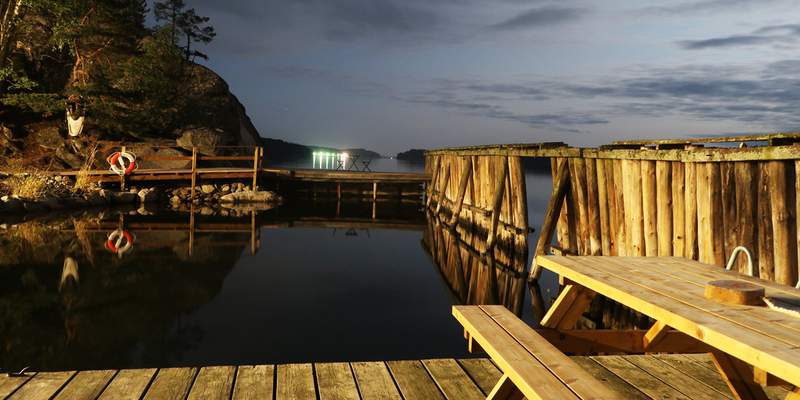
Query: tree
{"type": "Point", "coordinates": [181, 21]}
{"type": "Point", "coordinates": [192, 27]}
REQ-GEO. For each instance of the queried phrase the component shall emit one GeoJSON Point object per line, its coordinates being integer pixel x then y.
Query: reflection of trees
{"type": "Point", "coordinates": [497, 278]}
{"type": "Point", "coordinates": [120, 309]}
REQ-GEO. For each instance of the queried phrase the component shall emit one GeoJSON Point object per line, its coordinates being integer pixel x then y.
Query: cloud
{"type": "Point", "coordinates": [539, 17]}
{"type": "Point", "coordinates": [705, 6]}
{"type": "Point", "coordinates": [771, 34]}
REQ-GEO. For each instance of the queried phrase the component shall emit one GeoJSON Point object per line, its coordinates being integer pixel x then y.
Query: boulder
{"type": "Point", "coordinates": [175, 200]}
{"type": "Point", "coordinates": [48, 138]}
{"type": "Point", "coordinates": [251, 197]}
{"type": "Point", "coordinates": [124, 197]}
{"type": "Point", "coordinates": [32, 206]}
{"type": "Point", "coordinates": [12, 204]}
{"type": "Point", "coordinates": [148, 196]}
{"type": "Point", "coordinates": [208, 189]}
{"type": "Point", "coordinates": [146, 154]}
{"type": "Point", "coordinates": [51, 203]}
{"type": "Point", "coordinates": [97, 198]}
{"type": "Point", "coordinates": [206, 140]}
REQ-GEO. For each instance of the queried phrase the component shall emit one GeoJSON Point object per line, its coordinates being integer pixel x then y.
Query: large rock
{"type": "Point", "coordinates": [148, 196]}
{"type": "Point", "coordinates": [124, 197]}
{"type": "Point", "coordinates": [145, 158]}
{"type": "Point", "coordinates": [206, 140]}
{"type": "Point", "coordinates": [48, 138]}
{"type": "Point", "coordinates": [251, 197]}
{"type": "Point", "coordinates": [12, 204]}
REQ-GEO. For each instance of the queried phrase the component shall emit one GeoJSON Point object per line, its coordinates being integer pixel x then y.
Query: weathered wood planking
{"type": "Point", "coordinates": [481, 196]}
{"type": "Point", "coordinates": [698, 210]}
{"type": "Point", "coordinates": [632, 377]}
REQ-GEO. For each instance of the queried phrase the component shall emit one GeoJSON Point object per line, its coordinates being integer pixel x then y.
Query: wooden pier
{"type": "Point", "coordinates": [632, 377]}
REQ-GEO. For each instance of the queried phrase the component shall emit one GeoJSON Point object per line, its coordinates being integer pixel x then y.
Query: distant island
{"type": "Point", "coordinates": [279, 151]}
{"type": "Point", "coordinates": [416, 156]}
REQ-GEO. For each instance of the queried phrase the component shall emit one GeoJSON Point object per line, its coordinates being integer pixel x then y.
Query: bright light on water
{"type": "Point", "coordinates": [328, 160]}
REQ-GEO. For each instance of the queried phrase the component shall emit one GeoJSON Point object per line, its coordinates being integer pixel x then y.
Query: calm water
{"type": "Point", "coordinates": [318, 288]}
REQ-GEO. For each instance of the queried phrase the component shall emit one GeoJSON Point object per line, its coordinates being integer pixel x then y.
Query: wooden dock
{"type": "Point", "coordinates": [675, 376]}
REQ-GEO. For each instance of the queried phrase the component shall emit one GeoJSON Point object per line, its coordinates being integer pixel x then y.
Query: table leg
{"type": "Point", "coordinates": [568, 307]}
{"type": "Point", "coordinates": [794, 394]}
{"type": "Point", "coordinates": [505, 390]}
{"type": "Point", "coordinates": [738, 376]}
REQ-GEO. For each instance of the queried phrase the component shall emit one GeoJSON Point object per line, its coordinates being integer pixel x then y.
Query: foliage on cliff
{"type": "Point", "coordinates": [99, 57]}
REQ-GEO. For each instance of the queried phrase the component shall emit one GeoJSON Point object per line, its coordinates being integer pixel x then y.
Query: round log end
{"type": "Point", "coordinates": [735, 292]}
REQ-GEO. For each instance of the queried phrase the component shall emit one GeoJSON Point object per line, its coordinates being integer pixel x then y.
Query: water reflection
{"type": "Point", "coordinates": [474, 277]}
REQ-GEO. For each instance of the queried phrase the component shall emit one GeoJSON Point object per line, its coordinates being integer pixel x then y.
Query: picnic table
{"type": "Point", "coordinates": [752, 346]}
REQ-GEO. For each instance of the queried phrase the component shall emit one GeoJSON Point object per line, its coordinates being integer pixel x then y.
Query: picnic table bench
{"type": "Point", "coordinates": [532, 367]}
{"type": "Point", "coordinates": [752, 346]}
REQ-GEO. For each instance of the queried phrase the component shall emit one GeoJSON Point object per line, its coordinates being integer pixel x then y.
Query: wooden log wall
{"type": "Point", "coordinates": [698, 210]}
{"type": "Point", "coordinates": [483, 196]}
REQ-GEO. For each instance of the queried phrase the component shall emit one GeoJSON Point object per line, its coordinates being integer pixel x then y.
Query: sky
{"type": "Point", "coordinates": [390, 75]}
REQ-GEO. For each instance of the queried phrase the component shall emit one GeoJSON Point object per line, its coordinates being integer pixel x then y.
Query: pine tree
{"type": "Point", "coordinates": [186, 23]}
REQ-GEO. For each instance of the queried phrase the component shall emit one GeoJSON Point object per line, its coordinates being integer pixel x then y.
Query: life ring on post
{"type": "Point", "coordinates": [119, 242]}
{"type": "Point", "coordinates": [122, 163]}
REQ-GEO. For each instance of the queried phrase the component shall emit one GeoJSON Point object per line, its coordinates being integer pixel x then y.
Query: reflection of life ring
{"type": "Point", "coordinates": [122, 163]}
{"type": "Point", "coordinates": [119, 242]}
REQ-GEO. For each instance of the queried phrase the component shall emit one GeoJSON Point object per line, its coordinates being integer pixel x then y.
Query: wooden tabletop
{"type": "Point", "coordinates": [670, 290]}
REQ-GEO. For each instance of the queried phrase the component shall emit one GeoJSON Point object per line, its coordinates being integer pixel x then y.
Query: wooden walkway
{"type": "Point", "coordinates": [308, 175]}
{"type": "Point", "coordinates": [634, 377]}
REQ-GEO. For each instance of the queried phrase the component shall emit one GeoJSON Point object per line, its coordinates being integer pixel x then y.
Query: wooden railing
{"type": "Point", "coordinates": [251, 155]}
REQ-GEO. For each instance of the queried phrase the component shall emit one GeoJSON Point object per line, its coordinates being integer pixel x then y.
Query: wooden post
{"type": "Point", "coordinates": [766, 268]}
{"type": "Point", "coordinates": [191, 228]}
{"type": "Point", "coordinates": [578, 179]}
{"type": "Point", "coordinates": [374, 191]}
{"type": "Point", "coordinates": [194, 171]}
{"type": "Point", "coordinates": [664, 206]}
{"type": "Point", "coordinates": [632, 186]}
{"type": "Point", "coordinates": [122, 177]}
{"type": "Point", "coordinates": [338, 190]}
{"type": "Point", "coordinates": [497, 203]}
{"type": "Point", "coordinates": [678, 209]}
{"type": "Point", "coordinates": [256, 158]}
{"type": "Point", "coordinates": [649, 207]}
{"type": "Point", "coordinates": [443, 188]}
{"type": "Point", "coordinates": [550, 217]}
{"type": "Point", "coordinates": [746, 178]}
{"type": "Point", "coordinates": [690, 204]}
{"type": "Point", "coordinates": [466, 174]}
{"type": "Point", "coordinates": [784, 246]}
{"type": "Point", "coordinates": [592, 207]}
{"type": "Point", "coordinates": [253, 239]}
{"type": "Point", "coordinates": [434, 177]}
{"type": "Point", "coordinates": [605, 205]}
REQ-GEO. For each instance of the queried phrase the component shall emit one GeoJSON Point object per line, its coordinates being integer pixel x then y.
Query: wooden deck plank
{"type": "Point", "coordinates": [374, 381]}
{"type": "Point", "coordinates": [706, 376]}
{"type": "Point", "coordinates": [611, 380]}
{"type": "Point", "coordinates": [254, 382]}
{"type": "Point", "coordinates": [413, 380]}
{"type": "Point", "coordinates": [171, 384]}
{"type": "Point", "coordinates": [8, 384]}
{"type": "Point", "coordinates": [86, 385]}
{"type": "Point", "coordinates": [335, 381]}
{"type": "Point", "coordinates": [42, 386]}
{"type": "Point", "coordinates": [678, 380]}
{"type": "Point", "coordinates": [640, 379]}
{"type": "Point", "coordinates": [213, 383]}
{"type": "Point", "coordinates": [498, 343]}
{"type": "Point", "coordinates": [483, 372]}
{"type": "Point", "coordinates": [128, 384]}
{"type": "Point", "coordinates": [295, 382]}
{"type": "Point", "coordinates": [758, 349]}
{"type": "Point", "coordinates": [452, 380]}
{"type": "Point", "coordinates": [559, 365]}
{"type": "Point", "coordinates": [704, 360]}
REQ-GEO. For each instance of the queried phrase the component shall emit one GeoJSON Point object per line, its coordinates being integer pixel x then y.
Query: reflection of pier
{"type": "Point", "coordinates": [247, 228]}
{"type": "Point", "coordinates": [497, 277]}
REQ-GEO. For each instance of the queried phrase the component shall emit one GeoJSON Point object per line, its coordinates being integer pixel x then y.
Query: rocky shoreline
{"type": "Point", "coordinates": [207, 197]}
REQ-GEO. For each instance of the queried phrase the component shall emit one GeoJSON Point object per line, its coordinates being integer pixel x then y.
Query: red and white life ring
{"type": "Point", "coordinates": [119, 242]}
{"type": "Point", "coordinates": [122, 163]}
